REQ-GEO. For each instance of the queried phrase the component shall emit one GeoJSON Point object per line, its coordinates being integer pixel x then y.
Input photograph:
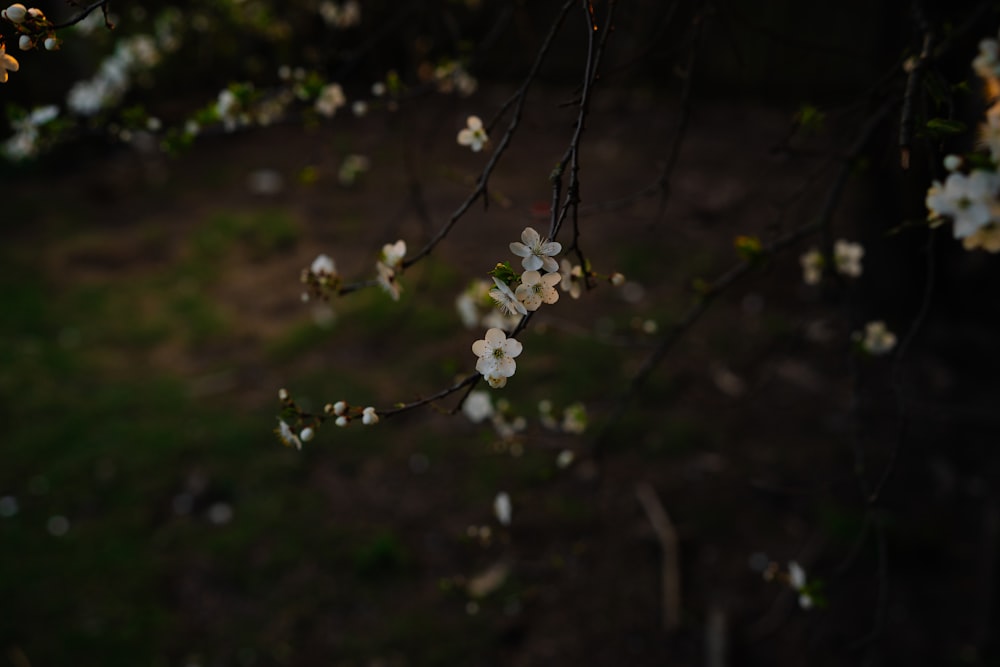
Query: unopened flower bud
{"type": "Point", "coordinates": [51, 44]}
{"type": "Point", "coordinates": [952, 162]}
{"type": "Point", "coordinates": [307, 434]}
{"type": "Point", "coordinates": [617, 279]}
{"type": "Point", "coordinates": [369, 416]}
{"type": "Point", "coordinates": [342, 421]}
{"type": "Point", "coordinates": [25, 43]}
{"type": "Point", "coordinates": [36, 13]}
{"type": "Point", "coordinates": [15, 13]}
{"type": "Point", "coordinates": [282, 394]}
{"type": "Point", "coordinates": [339, 408]}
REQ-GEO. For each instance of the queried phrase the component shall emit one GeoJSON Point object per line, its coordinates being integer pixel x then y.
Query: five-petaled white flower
{"type": "Point", "coordinates": [537, 252]}
{"type": "Point", "coordinates": [505, 298]}
{"type": "Point", "coordinates": [7, 64]}
{"type": "Point", "coordinates": [473, 136]}
{"type": "Point", "coordinates": [536, 288]}
{"type": "Point", "coordinates": [496, 355]}
{"type": "Point", "coordinates": [847, 256]}
{"type": "Point", "coordinates": [287, 435]}
{"type": "Point", "coordinates": [965, 199]}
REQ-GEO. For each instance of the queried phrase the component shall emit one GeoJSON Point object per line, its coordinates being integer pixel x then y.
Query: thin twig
{"type": "Point", "coordinates": [709, 292]}
{"type": "Point", "coordinates": [483, 180]}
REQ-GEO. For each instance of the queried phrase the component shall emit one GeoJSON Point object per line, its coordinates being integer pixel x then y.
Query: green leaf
{"type": "Point", "coordinates": [943, 127]}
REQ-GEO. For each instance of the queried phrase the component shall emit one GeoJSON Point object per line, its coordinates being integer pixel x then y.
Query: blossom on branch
{"type": "Point", "coordinates": [966, 199]}
{"type": "Point", "coordinates": [537, 252]}
{"type": "Point", "coordinates": [536, 289]}
{"type": "Point", "coordinates": [496, 355]}
{"type": "Point", "coordinates": [473, 136]}
{"type": "Point", "coordinates": [505, 299]}
{"type": "Point", "coordinates": [287, 435]}
{"type": "Point", "coordinates": [572, 278]}
{"type": "Point", "coordinates": [389, 264]}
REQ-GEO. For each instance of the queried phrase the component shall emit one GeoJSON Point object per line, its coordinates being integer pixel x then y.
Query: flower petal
{"type": "Point", "coordinates": [533, 262]}
{"type": "Point", "coordinates": [530, 237]}
{"type": "Point", "coordinates": [495, 338]}
{"type": "Point", "coordinates": [480, 348]}
{"type": "Point", "coordinates": [520, 249]}
{"type": "Point", "coordinates": [512, 347]}
{"type": "Point", "coordinates": [551, 248]}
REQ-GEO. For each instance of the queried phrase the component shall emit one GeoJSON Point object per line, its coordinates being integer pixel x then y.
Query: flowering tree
{"type": "Point", "coordinates": [549, 262]}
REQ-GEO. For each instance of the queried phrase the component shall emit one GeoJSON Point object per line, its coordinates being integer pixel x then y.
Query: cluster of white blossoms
{"type": "Point", "coordinates": [341, 15]}
{"type": "Point", "coordinates": [970, 196]}
{"type": "Point", "coordinates": [343, 413]}
{"type": "Point", "coordinates": [876, 339]}
{"type": "Point", "coordinates": [132, 55]}
{"type": "Point", "coordinates": [32, 27]}
{"type": "Point", "coordinates": [531, 289]}
{"type": "Point", "coordinates": [24, 142]}
{"type": "Point", "coordinates": [846, 259]}
{"type": "Point", "coordinates": [474, 134]}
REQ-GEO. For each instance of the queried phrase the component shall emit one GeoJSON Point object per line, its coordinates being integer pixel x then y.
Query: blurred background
{"type": "Point", "coordinates": [152, 309]}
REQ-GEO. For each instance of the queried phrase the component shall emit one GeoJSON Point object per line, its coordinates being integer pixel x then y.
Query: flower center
{"type": "Point", "coordinates": [498, 353]}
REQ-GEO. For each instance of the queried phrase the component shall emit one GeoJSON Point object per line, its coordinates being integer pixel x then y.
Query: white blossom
{"type": "Point", "coordinates": [330, 98]}
{"type": "Point", "coordinates": [967, 200]}
{"type": "Point", "coordinates": [474, 135]}
{"type": "Point", "coordinates": [812, 266]}
{"type": "Point", "coordinates": [847, 257]}
{"type": "Point", "coordinates": [876, 340]}
{"type": "Point", "coordinates": [797, 581]}
{"type": "Point", "coordinates": [369, 416]}
{"type": "Point", "coordinates": [505, 299]}
{"type": "Point", "coordinates": [323, 266]}
{"type": "Point", "coordinates": [537, 252]}
{"type": "Point", "coordinates": [572, 278]}
{"type": "Point", "coordinates": [478, 406]}
{"type": "Point", "coordinates": [496, 355]}
{"type": "Point", "coordinates": [287, 435]}
{"type": "Point", "coordinates": [502, 508]}
{"type": "Point", "coordinates": [536, 289]}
